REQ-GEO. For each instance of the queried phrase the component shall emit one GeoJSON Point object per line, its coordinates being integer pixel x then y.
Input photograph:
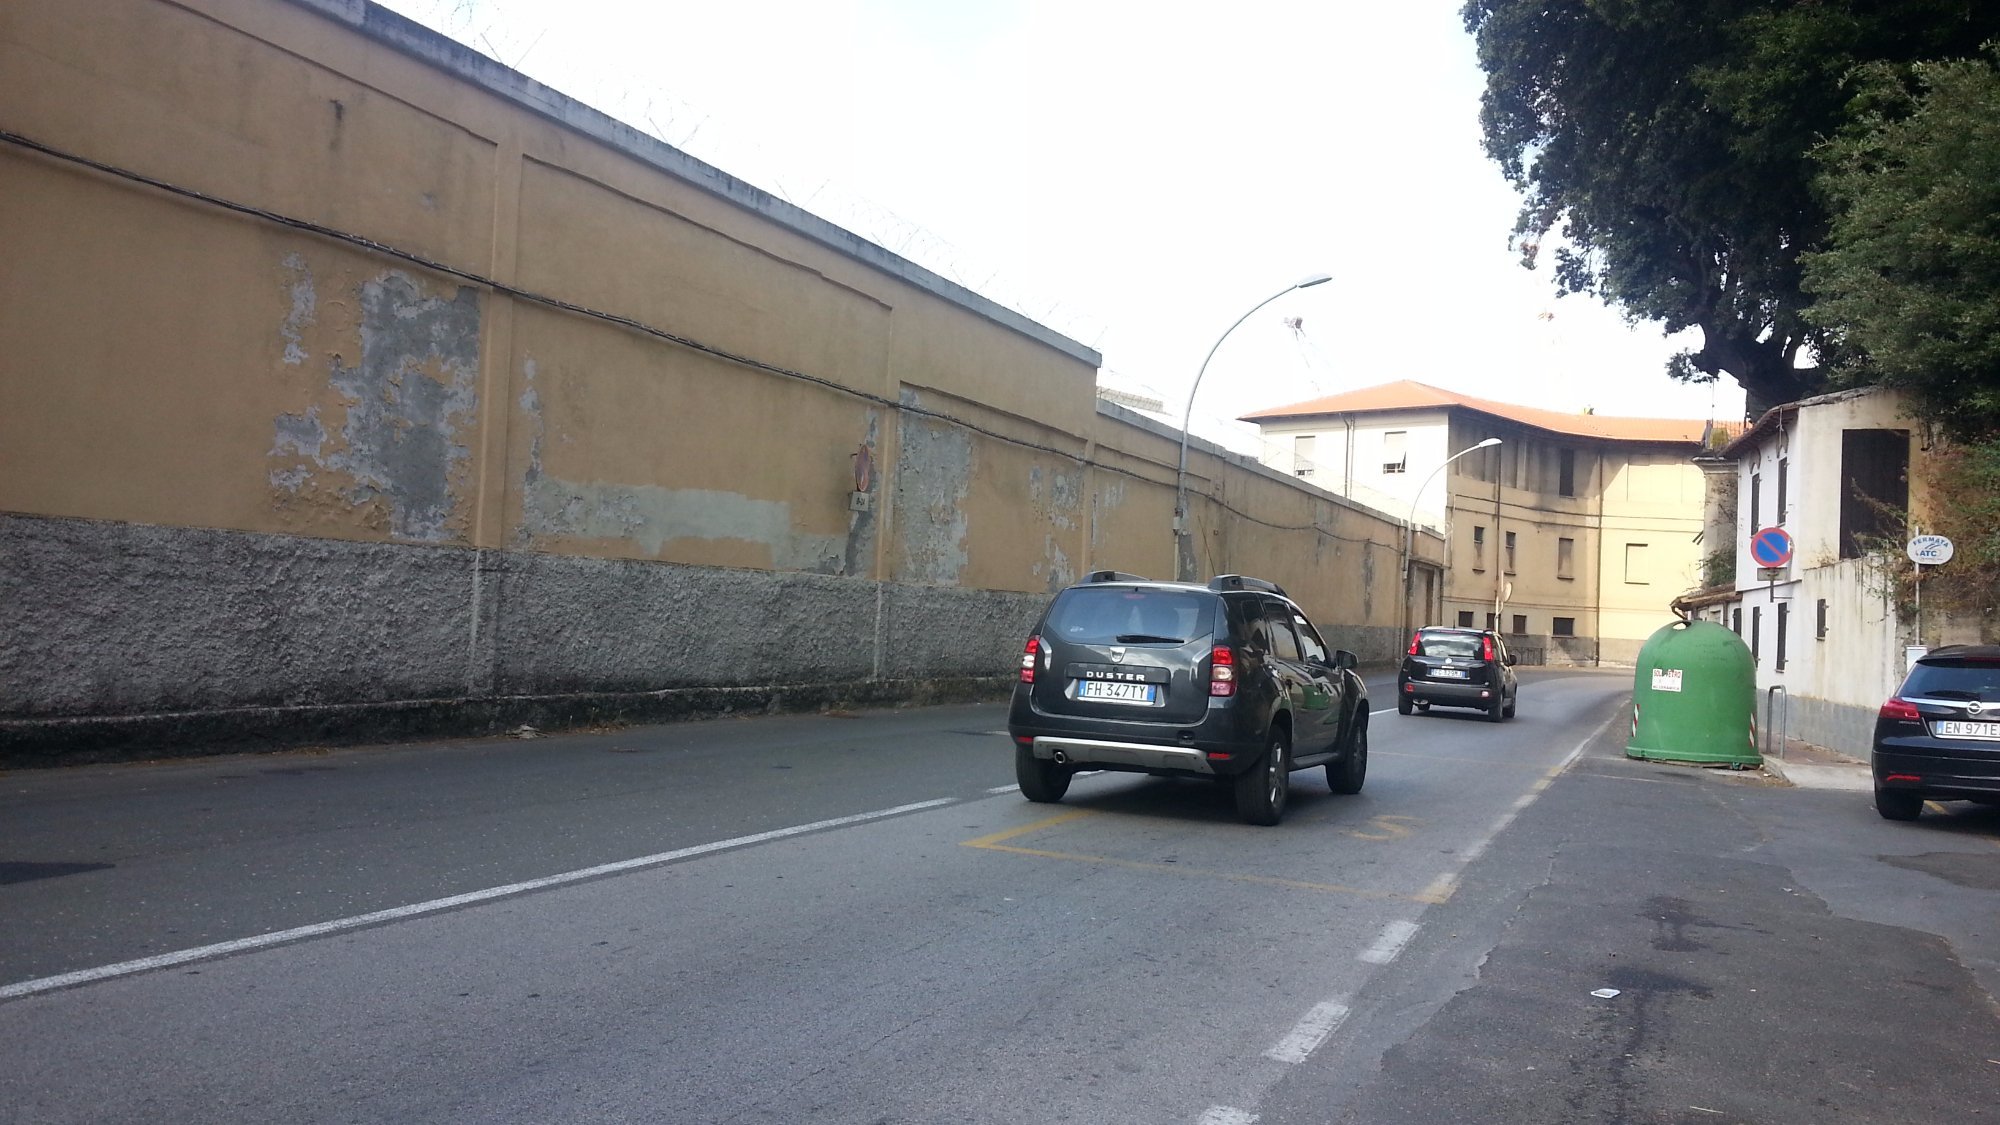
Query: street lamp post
{"type": "Point", "coordinates": [1410, 525]}
{"type": "Point", "coordinates": [1183, 546]}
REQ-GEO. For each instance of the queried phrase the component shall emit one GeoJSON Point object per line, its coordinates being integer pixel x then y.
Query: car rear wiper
{"type": "Point", "coordinates": [1143, 638]}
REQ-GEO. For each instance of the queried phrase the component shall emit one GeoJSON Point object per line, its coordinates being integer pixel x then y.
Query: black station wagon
{"type": "Point", "coordinates": [1228, 681]}
{"type": "Point", "coordinates": [1938, 737]}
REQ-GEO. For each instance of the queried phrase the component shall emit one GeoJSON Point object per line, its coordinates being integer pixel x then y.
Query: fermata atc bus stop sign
{"type": "Point", "coordinates": [1930, 550]}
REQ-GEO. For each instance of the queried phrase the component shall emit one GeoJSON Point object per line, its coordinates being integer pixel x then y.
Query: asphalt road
{"type": "Point", "coordinates": [855, 919]}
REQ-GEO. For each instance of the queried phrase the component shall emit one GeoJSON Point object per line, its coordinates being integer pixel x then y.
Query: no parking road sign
{"type": "Point", "coordinates": [1771, 547]}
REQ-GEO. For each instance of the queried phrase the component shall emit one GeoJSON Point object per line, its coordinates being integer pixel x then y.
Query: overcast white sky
{"type": "Point", "coordinates": [1133, 175]}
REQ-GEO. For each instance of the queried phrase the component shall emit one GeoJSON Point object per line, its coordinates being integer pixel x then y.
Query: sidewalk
{"type": "Point", "coordinates": [1815, 767]}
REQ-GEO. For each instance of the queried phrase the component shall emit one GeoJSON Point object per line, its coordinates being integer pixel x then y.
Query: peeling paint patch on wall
{"type": "Point", "coordinates": [933, 476]}
{"type": "Point", "coordinates": [650, 516]}
{"type": "Point", "coordinates": [1110, 498]}
{"type": "Point", "coordinates": [409, 404]}
{"type": "Point", "coordinates": [302, 315]}
{"type": "Point", "coordinates": [1056, 497]}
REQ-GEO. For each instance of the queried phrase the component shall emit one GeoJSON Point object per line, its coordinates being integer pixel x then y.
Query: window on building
{"type": "Point", "coordinates": [1465, 619]}
{"type": "Point", "coordinates": [1510, 552]}
{"type": "Point", "coordinates": [1874, 486]}
{"type": "Point", "coordinates": [1820, 629]}
{"type": "Point", "coordinates": [1784, 617]}
{"type": "Point", "coordinates": [1520, 624]}
{"type": "Point", "coordinates": [1736, 621]}
{"type": "Point", "coordinates": [1635, 564]}
{"type": "Point", "coordinates": [1566, 472]}
{"type": "Point", "coordinates": [1563, 627]}
{"type": "Point", "coordinates": [1395, 451]}
{"type": "Point", "coordinates": [1756, 502]}
{"type": "Point", "coordinates": [1303, 450]}
{"type": "Point", "coordinates": [1478, 548]}
{"type": "Point", "coordinates": [1492, 622]}
{"type": "Point", "coordinates": [1784, 474]}
{"type": "Point", "coordinates": [1756, 628]}
{"type": "Point", "coordinates": [1565, 558]}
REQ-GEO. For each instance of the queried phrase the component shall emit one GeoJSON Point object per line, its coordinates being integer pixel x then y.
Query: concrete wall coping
{"type": "Point", "coordinates": [1245, 463]}
{"type": "Point", "coordinates": [410, 38]}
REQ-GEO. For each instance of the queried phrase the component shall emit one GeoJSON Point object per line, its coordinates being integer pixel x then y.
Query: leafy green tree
{"type": "Point", "coordinates": [1910, 280]}
{"type": "Point", "coordinates": [1668, 146]}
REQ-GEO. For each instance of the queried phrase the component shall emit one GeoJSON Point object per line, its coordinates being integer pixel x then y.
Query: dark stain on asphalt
{"type": "Point", "coordinates": [19, 872]}
{"type": "Point", "coordinates": [1975, 872]}
{"type": "Point", "coordinates": [1672, 918]}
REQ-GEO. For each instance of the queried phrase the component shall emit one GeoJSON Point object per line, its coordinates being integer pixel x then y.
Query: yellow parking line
{"type": "Point", "coordinates": [993, 843]}
{"type": "Point", "coordinates": [1496, 763]}
{"type": "Point", "coordinates": [1023, 830]}
{"type": "Point", "coordinates": [1201, 873]}
{"type": "Point", "coordinates": [1440, 890]}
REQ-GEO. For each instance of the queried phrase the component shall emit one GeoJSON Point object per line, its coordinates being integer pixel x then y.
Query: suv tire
{"type": "Point", "coordinates": [1403, 706]}
{"type": "Point", "coordinates": [1041, 780]}
{"type": "Point", "coordinates": [1512, 702]}
{"type": "Point", "coordinates": [1346, 775]}
{"type": "Point", "coordinates": [1898, 804]}
{"type": "Point", "coordinates": [1494, 709]}
{"type": "Point", "coordinates": [1262, 789]}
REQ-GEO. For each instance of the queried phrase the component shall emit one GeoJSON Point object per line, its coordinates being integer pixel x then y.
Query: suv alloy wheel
{"type": "Point", "coordinates": [1261, 792]}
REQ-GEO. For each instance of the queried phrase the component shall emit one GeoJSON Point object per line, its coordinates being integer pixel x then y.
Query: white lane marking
{"type": "Point", "coordinates": [1383, 711]}
{"type": "Point", "coordinates": [1394, 937]}
{"type": "Point", "coordinates": [1226, 1115]}
{"type": "Point", "coordinates": [318, 929]}
{"type": "Point", "coordinates": [1005, 789]}
{"type": "Point", "coordinates": [1311, 1031]}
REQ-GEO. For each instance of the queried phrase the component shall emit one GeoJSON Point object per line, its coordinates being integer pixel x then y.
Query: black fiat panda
{"type": "Point", "coordinates": [1227, 680]}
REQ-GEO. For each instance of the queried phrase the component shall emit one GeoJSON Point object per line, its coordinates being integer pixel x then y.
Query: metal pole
{"type": "Point", "coordinates": [1410, 525]}
{"type": "Point", "coordinates": [1183, 546]}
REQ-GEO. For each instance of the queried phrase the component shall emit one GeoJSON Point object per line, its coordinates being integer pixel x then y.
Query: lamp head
{"type": "Point", "coordinates": [1315, 279]}
{"type": "Point", "coordinates": [1488, 443]}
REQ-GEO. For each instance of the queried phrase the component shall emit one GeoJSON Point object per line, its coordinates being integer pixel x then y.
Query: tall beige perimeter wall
{"type": "Point", "coordinates": [168, 363]}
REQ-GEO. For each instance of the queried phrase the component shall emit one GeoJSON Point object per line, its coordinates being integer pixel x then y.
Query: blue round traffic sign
{"type": "Point", "coordinates": [1771, 547]}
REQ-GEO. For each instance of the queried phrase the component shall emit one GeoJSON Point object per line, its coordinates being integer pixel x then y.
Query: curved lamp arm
{"type": "Point", "coordinates": [1187, 414]}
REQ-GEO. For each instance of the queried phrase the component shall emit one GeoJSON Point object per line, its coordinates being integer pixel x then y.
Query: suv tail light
{"type": "Point", "coordinates": [1222, 671]}
{"type": "Point", "coordinates": [1028, 655]}
{"type": "Point", "coordinates": [1414, 639]}
{"type": "Point", "coordinates": [1901, 710]}
{"type": "Point", "coordinates": [1486, 649]}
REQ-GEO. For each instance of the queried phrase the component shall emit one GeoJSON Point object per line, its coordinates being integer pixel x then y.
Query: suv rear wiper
{"type": "Point", "coordinates": [1142, 638]}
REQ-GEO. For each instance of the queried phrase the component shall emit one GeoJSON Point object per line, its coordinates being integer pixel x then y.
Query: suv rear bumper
{"type": "Point", "coordinates": [1144, 756]}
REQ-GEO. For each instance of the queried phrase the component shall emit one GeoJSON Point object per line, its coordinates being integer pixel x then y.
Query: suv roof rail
{"type": "Point", "coordinates": [1244, 582]}
{"type": "Point", "coordinates": [1114, 576]}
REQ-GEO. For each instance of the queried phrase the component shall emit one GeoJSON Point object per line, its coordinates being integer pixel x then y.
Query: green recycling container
{"type": "Point", "coordinates": [1694, 697]}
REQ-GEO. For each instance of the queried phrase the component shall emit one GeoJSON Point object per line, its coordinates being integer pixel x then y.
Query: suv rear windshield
{"type": "Point", "coordinates": [1966, 679]}
{"type": "Point", "coordinates": [1115, 615]}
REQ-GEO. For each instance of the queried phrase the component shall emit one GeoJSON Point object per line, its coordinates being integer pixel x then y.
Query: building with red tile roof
{"type": "Point", "coordinates": [1573, 532]}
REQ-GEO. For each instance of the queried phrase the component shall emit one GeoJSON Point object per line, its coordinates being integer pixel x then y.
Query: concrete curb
{"type": "Point", "coordinates": [1849, 776]}
{"type": "Point", "coordinates": [55, 742]}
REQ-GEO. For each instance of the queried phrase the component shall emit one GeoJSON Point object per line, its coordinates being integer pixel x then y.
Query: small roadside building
{"type": "Point", "coordinates": [1833, 474]}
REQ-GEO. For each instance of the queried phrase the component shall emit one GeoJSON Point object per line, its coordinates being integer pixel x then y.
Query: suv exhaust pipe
{"type": "Point", "coordinates": [1061, 758]}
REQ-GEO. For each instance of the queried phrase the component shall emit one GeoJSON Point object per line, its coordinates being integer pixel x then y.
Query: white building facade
{"type": "Point", "coordinates": [1833, 473]}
